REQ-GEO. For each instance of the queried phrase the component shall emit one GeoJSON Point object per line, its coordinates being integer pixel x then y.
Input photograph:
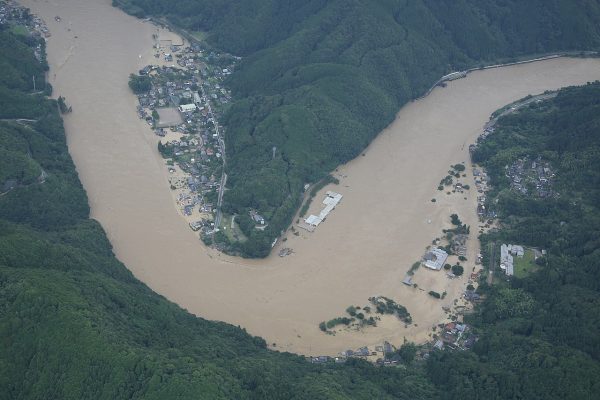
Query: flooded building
{"type": "Point", "coordinates": [331, 200]}
{"type": "Point", "coordinates": [435, 259]}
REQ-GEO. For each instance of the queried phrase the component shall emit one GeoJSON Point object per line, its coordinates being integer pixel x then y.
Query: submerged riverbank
{"type": "Point", "coordinates": [363, 249]}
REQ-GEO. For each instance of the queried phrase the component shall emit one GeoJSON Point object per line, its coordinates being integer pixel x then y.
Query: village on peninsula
{"type": "Point", "coordinates": [183, 100]}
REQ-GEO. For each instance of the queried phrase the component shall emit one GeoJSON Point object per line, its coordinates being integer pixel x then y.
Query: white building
{"type": "Point", "coordinates": [435, 259]}
{"type": "Point", "coordinates": [197, 100]}
{"type": "Point", "coordinates": [506, 260]}
{"type": "Point", "coordinates": [331, 200]}
{"type": "Point", "coordinates": [516, 250]}
{"type": "Point", "coordinates": [187, 107]}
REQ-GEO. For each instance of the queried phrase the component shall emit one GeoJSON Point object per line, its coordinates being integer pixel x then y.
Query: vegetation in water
{"type": "Point", "coordinates": [435, 294]}
{"type": "Point", "coordinates": [385, 305]}
{"type": "Point", "coordinates": [139, 83]}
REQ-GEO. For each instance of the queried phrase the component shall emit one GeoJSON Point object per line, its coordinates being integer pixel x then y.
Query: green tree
{"type": "Point", "coordinates": [457, 270]}
{"type": "Point", "coordinates": [139, 84]}
{"type": "Point", "coordinates": [408, 352]}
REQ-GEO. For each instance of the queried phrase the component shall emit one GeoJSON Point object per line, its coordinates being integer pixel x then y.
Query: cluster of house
{"type": "Point", "coordinates": [471, 294]}
{"type": "Point", "coordinates": [176, 96]}
{"type": "Point", "coordinates": [506, 257]}
{"type": "Point", "coordinates": [458, 244]}
{"type": "Point", "coordinates": [12, 13]}
{"type": "Point", "coordinates": [384, 355]}
{"type": "Point", "coordinates": [455, 336]}
{"type": "Point", "coordinates": [192, 175]}
{"type": "Point", "coordinates": [526, 174]}
{"type": "Point", "coordinates": [482, 179]}
{"type": "Point", "coordinates": [183, 106]}
{"type": "Point", "coordinates": [363, 352]}
{"type": "Point", "coordinates": [488, 129]}
{"type": "Point", "coordinates": [482, 185]}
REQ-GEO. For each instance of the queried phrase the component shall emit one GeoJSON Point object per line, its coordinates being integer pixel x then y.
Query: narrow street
{"type": "Point", "coordinates": [221, 141]}
{"type": "Point", "coordinates": [490, 279]}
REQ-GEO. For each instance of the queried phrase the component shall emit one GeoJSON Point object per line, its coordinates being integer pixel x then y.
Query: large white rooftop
{"type": "Point", "coordinates": [506, 260]}
{"type": "Point", "coordinates": [331, 200]}
{"type": "Point", "coordinates": [187, 107]}
{"type": "Point", "coordinates": [435, 258]}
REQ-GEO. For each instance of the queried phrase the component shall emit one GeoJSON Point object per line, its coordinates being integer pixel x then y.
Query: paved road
{"type": "Point", "coordinates": [490, 279]}
{"type": "Point", "coordinates": [516, 106]}
{"type": "Point", "coordinates": [221, 142]}
{"type": "Point", "coordinates": [19, 120]}
{"type": "Point", "coordinates": [219, 215]}
{"type": "Point", "coordinates": [41, 179]}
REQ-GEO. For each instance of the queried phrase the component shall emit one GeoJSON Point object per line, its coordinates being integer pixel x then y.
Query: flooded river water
{"type": "Point", "coordinates": [383, 224]}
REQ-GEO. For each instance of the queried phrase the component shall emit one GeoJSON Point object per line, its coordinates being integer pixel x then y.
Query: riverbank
{"type": "Point", "coordinates": [463, 74]}
{"type": "Point", "coordinates": [363, 249]}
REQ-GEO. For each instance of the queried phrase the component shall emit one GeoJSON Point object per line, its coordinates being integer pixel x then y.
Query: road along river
{"type": "Point", "coordinates": [383, 224]}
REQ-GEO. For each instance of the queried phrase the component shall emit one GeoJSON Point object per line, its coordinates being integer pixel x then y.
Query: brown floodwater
{"type": "Point", "coordinates": [383, 224]}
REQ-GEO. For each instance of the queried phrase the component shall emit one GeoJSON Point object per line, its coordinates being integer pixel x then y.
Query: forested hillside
{"type": "Point", "coordinates": [541, 332]}
{"type": "Point", "coordinates": [75, 323]}
{"type": "Point", "coordinates": [320, 78]}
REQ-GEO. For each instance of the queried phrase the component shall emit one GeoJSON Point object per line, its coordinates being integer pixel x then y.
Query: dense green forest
{"type": "Point", "coordinates": [76, 324]}
{"type": "Point", "coordinates": [320, 78]}
{"type": "Point", "coordinates": [541, 333]}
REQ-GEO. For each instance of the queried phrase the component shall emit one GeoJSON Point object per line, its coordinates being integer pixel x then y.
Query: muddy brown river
{"type": "Point", "coordinates": [383, 224]}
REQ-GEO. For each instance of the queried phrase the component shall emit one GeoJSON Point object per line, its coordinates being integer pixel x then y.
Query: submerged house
{"type": "Point", "coordinates": [331, 200]}
{"type": "Point", "coordinates": [435, 259]}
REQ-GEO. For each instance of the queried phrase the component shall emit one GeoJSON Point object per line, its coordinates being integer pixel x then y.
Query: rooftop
{"type": "Point", "coordinates": [331, 200]}
{"type": "Point", "coordinates": [435, 259]}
